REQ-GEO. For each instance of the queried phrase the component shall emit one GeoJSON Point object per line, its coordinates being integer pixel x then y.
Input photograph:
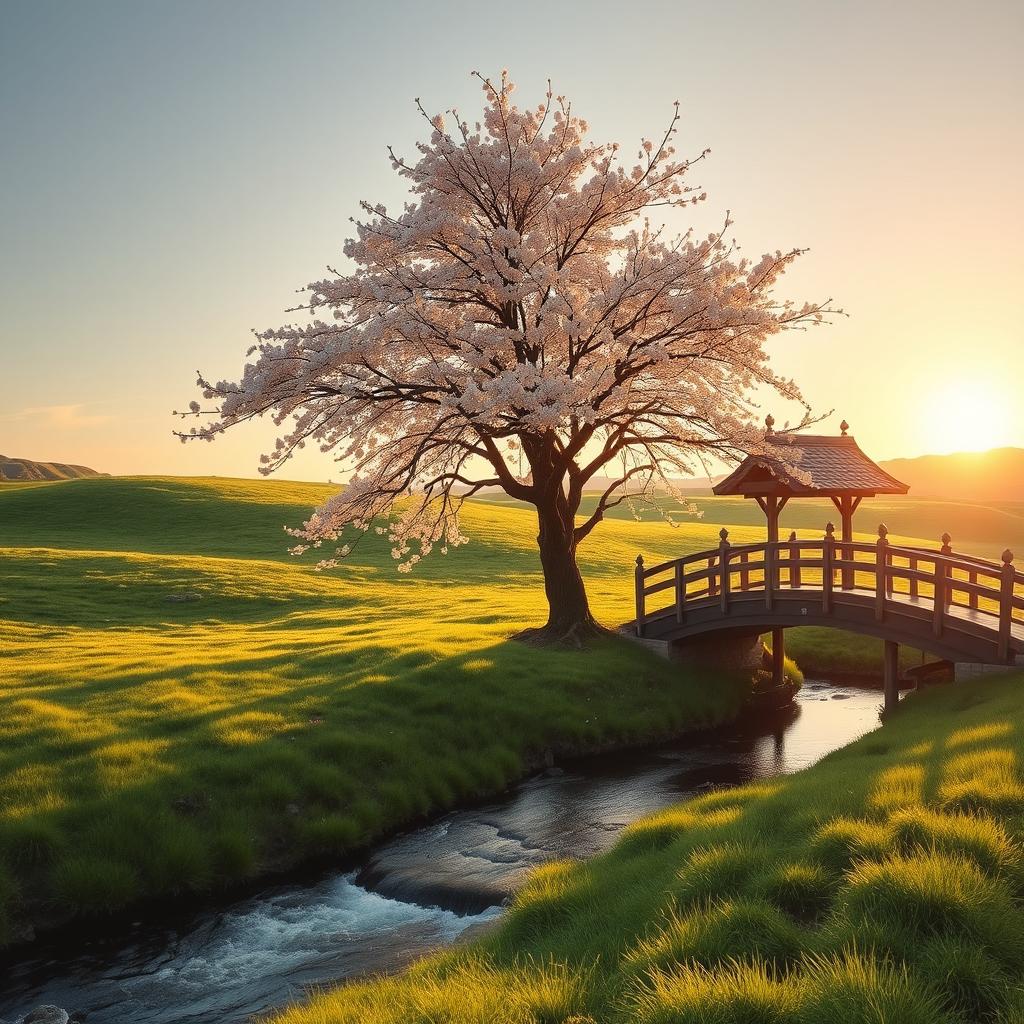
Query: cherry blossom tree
{"type": "Point", "coordinates": [520, 324]}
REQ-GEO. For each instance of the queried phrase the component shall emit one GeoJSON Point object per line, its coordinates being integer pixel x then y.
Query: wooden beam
{"type": "Point", "coordinates": [639, 583]}
{"type": "Point", "coordinates": [1008, 576]}
{"type": "Point", "coordinates": [828, 557]}
{"type": "Point", "coordinates": [849, 579]}
{"type": "Point", "coordinates": [778, 657]}
{"type": "Point", "coordinates": [977, 637]}
{"type": "Point", "coordinates": [892, 675]}
{"type": "Point", "coordinates": [881, 572]}
{"type": "Point", "coordinates": [764, 487]}
{"type": "Point", "coordinates": [772, 512]}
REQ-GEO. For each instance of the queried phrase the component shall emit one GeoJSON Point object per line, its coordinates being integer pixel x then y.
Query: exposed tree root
{"type": "Point", "coordinates": [577, 635]}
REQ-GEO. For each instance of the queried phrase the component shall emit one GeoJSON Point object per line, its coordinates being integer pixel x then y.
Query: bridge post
{"type": "Point", "coordinates": [947, 572]}
{"type": "Point", "coordinates": [1006, 582]}
{"type": "Point", "coordinates": [892, 675]}
{"type": "Point", "coordinates": [723, 568]}
{"type": "Point", "coordinates": [769, 573]}
{"type": "Point", "coordinates": [680, 593]}
{"type": "Point", "coordinates": [847, 504]}
{"type": "Point", "coordinates": [943, 595]}
{"type": "Point", "coordinates": [828, 557]}
{"type": "Point", "coordinates": [881, 564]}
{"type": "Point", "coordinates": [778, 657]}
{"type": "Point", "coordinates": [938, 598]}
{"type": "Point", "coordinates": [639, 590]}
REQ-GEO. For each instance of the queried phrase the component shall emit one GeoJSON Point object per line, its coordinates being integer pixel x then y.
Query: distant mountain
{"type": "Point", "coordinates": [996, 475]}
{"type": "Point", "coordinates": [22, 470]}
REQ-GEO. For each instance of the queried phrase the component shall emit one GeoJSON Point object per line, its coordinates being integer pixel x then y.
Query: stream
{"type": "Point", "coordinates": [415, 892]}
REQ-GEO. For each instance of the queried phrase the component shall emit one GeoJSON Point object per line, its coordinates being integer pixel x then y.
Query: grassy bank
{"type": "Point", "coordinates": [184, 705]}
{"type": "Point", "coordinates": [882, 885]}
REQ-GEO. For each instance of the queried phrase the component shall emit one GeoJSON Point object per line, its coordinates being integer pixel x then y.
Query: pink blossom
{"type": "Point", "coordinates": [519, 323]}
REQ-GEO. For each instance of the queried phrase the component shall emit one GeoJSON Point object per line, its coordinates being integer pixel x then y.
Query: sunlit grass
{"type": "Point", "coordinates": [734, 992]}
{"type": "Point", "coordinates": [978, 528]}
{"type": "Point", "coordinates": [462, 988]}
{"type": "Point", "coordinates": [851, 892]}
{"type": "Point", "coordinates": [203, 706]}
{"type": "Point", "coordinates": [719, 931]}
{"type": "Point", "coordinates": [183, 705]}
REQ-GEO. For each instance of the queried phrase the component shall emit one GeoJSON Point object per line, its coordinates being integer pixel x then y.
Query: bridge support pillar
{"type": "Point", "coordinates": [892, 675]}
{"type": "Point", "coordinates": [734, 653]}
{"type": "Point", "coordinates": [778, 657]}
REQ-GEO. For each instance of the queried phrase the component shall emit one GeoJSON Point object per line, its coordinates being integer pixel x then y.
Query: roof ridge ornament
{"type": "Point", "coordinates": [844, 427]}
{"type": "Point", "coordinates": [769, 423]}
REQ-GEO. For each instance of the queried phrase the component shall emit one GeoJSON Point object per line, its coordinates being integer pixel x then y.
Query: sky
{"type": "Point", "coordinates": [173, 172]}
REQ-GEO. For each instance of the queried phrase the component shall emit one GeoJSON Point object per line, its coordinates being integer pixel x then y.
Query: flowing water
{"type": "Point", "coordinates": [414, 893]}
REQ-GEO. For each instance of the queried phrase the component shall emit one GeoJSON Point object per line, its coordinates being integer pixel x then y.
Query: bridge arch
{"type": "Point", "coordinates": [955, 606]}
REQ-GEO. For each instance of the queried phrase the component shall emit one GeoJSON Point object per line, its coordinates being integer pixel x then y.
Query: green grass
{"type": "Point", "coordinates": [977, 528]}
{"type": "Point", "coordinates": [831, 653]}
{"type": "Point", "coordinates": [183, 704]}
{"type": "Point", "coordinates": [870, 888]}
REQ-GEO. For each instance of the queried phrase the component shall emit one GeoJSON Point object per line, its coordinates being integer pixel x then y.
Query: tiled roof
{"type": "Point", "coordinates": [834, 464]}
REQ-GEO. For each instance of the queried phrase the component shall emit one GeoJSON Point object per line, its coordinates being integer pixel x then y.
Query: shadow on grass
{"type": "Point", "coordinates": [885, 883]}
{"type": "Point", "coordinates": [164, 779]}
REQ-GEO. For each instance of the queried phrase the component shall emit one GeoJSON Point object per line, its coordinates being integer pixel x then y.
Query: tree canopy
{"type": "Point", "coordinates": [520, 324]}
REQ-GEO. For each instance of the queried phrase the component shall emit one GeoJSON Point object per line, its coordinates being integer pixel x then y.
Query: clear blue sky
{"type": "Point", "coordinates": [172, 172]}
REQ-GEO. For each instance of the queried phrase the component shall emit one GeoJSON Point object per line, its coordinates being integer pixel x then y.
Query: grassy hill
{"type": "Point", "coordinates": [882, 886]}
{"type": "Point", "coordinates": [982, 528]}
{"type": "Point", "coordinates": [27, 470]}
{"type": "Point", "coordinates": [183, 704]}
{"type": "Point", "coordinates": [995, 475]}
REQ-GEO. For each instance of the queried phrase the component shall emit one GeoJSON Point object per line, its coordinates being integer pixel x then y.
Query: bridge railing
{"type": "Point", "coordinates": [990, 594]}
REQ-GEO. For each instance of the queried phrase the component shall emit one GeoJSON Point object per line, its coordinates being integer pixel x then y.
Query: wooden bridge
{"type": "Point", "coordinates": [955, 606]}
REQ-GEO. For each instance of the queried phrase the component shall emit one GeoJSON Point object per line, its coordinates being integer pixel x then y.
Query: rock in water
{"type": "Point", "coordinates": [46, 1015]}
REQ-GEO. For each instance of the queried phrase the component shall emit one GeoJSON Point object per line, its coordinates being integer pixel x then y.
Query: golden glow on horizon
{"type": "Point", "coordinates": [967, 416]}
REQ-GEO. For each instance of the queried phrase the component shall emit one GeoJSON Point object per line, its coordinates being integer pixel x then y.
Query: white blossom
{"type": "Point", "coordinates": [519, 323]}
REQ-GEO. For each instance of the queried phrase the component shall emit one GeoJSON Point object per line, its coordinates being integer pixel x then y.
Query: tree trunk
{"type": "Point", "coordinates": [569, 618]}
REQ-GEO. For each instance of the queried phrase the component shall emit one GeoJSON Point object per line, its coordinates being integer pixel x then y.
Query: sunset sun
{"type": "Point", "coordinates": [967, 416]}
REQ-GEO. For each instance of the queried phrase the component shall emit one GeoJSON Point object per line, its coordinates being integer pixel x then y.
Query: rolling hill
{"type": "Point", "coordinates": [995, 475]}
{"type": "Point", "coordinates": [173, 680]}
{"type": "Point", "coordinates": [25, 470]}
